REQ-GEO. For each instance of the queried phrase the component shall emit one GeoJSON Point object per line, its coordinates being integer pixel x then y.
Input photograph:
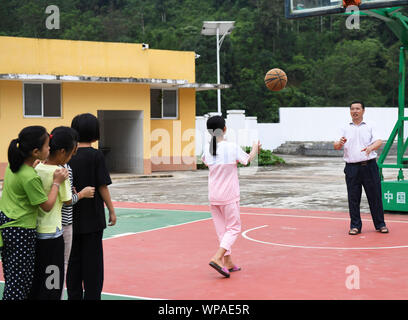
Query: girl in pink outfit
{"type": "Point", "coordinates": [223, 191]}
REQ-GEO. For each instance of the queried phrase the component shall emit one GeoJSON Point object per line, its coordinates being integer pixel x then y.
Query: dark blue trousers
{"type": "Point", "coordinates": [364, 175]}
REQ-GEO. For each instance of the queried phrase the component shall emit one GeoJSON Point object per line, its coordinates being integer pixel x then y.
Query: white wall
{"type": "Point", "coordinates": [296, 124]}
{"type": "Point", "coordinates": [323, 124]}
{"type": "Point", "coordinates": [271, 135]}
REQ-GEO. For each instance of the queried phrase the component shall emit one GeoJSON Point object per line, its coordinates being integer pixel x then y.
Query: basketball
{"type": "Point", "coordinates": [275, 79]}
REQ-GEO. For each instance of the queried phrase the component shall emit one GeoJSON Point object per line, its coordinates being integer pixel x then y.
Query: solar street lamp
{"type": "Point", "coordinates": [219, 29]}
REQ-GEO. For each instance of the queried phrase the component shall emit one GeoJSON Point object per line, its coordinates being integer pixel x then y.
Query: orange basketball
{"type": "Point", "coordinates": [276, 79]}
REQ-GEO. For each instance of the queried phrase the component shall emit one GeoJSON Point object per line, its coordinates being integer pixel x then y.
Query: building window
{"type": "Point", "coordinates": [42, 100]}
{"type": "Point", "coordinates": [163, 104]}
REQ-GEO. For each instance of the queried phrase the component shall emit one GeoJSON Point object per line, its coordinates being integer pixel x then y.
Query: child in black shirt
{"type": "Point", "coordinates": [85, 267]}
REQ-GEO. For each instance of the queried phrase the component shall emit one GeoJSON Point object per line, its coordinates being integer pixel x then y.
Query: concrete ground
{"type": "Point", "coordinates": [313, 183]}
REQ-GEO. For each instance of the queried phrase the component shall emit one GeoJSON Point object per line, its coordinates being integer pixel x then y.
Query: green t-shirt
{"type": "Point", "coordinates": [48, 222]}
{"type": "Point", "coordinates": [22, 193]}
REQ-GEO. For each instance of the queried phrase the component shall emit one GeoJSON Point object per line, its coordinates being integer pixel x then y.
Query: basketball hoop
{"type": "Point", "coordinates": [347, 3]}
{"type": "Point", "coordinates": [296, 9]}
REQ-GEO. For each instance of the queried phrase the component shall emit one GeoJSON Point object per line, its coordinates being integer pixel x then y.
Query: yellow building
{"type": "Point", "coordinates": [143, 98]}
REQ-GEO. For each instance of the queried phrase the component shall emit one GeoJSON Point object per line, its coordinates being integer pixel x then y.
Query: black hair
{"type": "Point", "coordinates": [215, 126]}
{"type": "Point", "coordinates": [62, 138]}
{"type": "Point", "coordinates": [75, 135]}
{"type": "Point", "coordinates": [20, 149]}
{"type": "Point", "coordinates": [87, 126]}
{"type": "Point", "coordinates": [358, 101]}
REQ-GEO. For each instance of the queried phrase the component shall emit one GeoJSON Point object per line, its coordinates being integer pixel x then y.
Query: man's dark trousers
{"type": "Point", "coordinates": [364, 174]}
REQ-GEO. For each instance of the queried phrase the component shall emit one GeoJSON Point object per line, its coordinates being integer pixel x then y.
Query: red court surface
{"type": "Point", "coordinates": [284, 254]}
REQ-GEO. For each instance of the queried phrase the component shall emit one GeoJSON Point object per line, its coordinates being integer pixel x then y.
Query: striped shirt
{"type": "Point", "coordinates": [223, 183]}
{"type": "Point", "coordinates": [66, 210]}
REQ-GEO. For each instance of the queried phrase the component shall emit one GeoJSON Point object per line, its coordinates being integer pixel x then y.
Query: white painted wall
{"type": "Point", "coordinates": [271, 135]}
{"type": "Point", "coordinates": [323, 124]}
{"type": "Point", "coordinates": [296, 124]}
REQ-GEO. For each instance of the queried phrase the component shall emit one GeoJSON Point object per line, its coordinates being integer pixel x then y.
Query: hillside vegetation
{"type": "Point", "coordinates": [326, 64]}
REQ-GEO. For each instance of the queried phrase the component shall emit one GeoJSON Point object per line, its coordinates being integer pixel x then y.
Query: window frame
{"type": "Point", "coordinates": [42, 100]}
{"type": "Point", "coordinates": [162, 104]}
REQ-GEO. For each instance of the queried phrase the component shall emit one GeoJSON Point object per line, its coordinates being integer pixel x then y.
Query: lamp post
{"type": "Point", "coordinates": [219, 29]}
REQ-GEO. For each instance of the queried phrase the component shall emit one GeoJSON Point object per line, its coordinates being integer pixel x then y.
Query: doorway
{"type": "Point", "coordinates": [121, 140]}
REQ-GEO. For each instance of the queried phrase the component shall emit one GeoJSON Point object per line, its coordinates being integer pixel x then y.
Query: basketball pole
{"type": "Point", "coordinates": [219, 44]}
{"type": "Point", "coordinates": [394, 192]}
{"type": "Point", "coordinates": [401, 113]}
{"type": "Point", "coordinates": [220, 29]}
{"type": "Point", "coordinates": [218, 72]}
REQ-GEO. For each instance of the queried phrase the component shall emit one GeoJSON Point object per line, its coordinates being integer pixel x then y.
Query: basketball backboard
{"type": "Point", "coordinates": [308, 8]}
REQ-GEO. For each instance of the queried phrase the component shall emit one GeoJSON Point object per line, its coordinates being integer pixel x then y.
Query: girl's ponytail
{"type": "Point", "coordinates": [215, 126]}
{"type": "Point", "coordinates": [16, 156]}
{"type": "Point", "coordinates": [20, 149]}
{"type": "Point", "coordinates": [213, 145]}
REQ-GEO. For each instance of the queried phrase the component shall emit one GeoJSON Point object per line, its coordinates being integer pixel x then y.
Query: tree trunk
{"type": "Point", "coordinates": [321, 24]}
{"type": "Point", "coordinates": [142, 22]}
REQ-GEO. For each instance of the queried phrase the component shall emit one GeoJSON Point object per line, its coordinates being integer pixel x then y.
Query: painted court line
{"type": "Point", "coordinates": [129, 296]}
{"type": "Point", "coordinates": [123, 295]}
{"type": "Point", "coordinates": [312, 217]}
{"type": "Point", "coordinates": [159, 209]}
{"type": "Point", "coordinates": [161, 228]}
{"type": "Point", "coordinates": [244, 234]}
{"type": "Point", "coordinates": [260, 214]}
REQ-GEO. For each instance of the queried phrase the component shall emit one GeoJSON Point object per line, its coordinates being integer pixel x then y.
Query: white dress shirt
{"type": "Point", "coordinates": [359, 137]}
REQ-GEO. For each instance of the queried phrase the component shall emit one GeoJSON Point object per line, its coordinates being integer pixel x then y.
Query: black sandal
{"type": "Point", "coordinates": [383, 230]}
{"type": "Point", "coordinates": [354, 231]}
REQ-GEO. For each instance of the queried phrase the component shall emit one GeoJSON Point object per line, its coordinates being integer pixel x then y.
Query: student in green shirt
{"type": "Point", "coordinates": [22, 195]}
{"type": "Point", "coordinates": [49, 250]}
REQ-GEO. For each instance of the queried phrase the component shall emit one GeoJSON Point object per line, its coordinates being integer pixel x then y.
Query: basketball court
{"type": "Point", "coordinates": [162, 251]}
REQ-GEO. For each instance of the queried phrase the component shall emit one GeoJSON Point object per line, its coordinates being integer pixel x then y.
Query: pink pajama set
{"type": "Point", "coordinates": [223, 191]}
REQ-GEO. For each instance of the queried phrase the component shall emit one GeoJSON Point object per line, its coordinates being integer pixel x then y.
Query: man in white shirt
{"type": "Point", "coordinates": [360, 141]}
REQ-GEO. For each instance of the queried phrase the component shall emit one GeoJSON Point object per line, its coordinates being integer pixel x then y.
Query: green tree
{"type": "Point", "coordinates": [326, 64]}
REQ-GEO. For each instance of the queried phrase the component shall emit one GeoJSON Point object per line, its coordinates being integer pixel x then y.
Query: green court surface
{"type": "Point", "coordinates": [131, 220]}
